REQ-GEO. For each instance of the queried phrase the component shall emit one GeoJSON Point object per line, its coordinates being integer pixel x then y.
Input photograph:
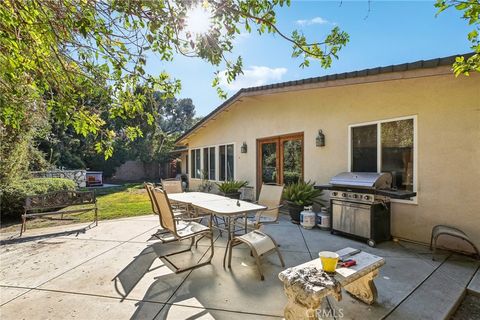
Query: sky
{"type": "Point", "coordinates": [381, 33]}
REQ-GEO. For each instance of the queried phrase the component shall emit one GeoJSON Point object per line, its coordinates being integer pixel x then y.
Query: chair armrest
{"type": "Point", "coordinates": [273, 208]}
{"type": "Point", "coordinates": [195, 218]}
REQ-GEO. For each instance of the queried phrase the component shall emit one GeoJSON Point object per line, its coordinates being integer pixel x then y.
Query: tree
{"type": "Point", "coordinates": [471, 13]}
{"type": "Point", "coordinates": [55, 53]}
{"type": "Point", "coordinates": [18, 149]}
{"type": "Point", "coordinates": [172, 118]}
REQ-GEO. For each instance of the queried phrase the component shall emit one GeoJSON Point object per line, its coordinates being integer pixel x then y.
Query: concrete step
{"type": "Point", "coordinates": [474, 285]}
{"type": "Point", "coordinates": [440, 294]}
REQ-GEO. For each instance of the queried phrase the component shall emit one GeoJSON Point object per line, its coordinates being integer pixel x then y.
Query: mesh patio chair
{"type": "Point", "coordinates": [260, 245]}
{"type": "Point", "coordinates": [180, 229]}
{"type": "Point", "coordinates": [149, 187]}
{"type": "Point", "coordinates": [270, 197]}
{"type": "Point", "coordinates": [172, 186]}
{"type": "Point", "coordinates": [178, 213]}
{"type": "Point", "coordinates": [443, 230]}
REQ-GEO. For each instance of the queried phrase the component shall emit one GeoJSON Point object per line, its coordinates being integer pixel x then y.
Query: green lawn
{"type": "Point", "coordinates": [126, 201]}
{"type": "Point", "coordinates": [118, 202]}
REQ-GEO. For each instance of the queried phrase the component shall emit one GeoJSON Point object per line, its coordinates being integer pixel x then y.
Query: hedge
{"type": "Point", "coordinates": [13, 195]}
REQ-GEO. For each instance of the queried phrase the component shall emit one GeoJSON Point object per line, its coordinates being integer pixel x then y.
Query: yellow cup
{"type": "Point", "coordinates": [329, 261]}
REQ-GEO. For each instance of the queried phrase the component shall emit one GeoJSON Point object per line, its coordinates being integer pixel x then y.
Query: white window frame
{"type": "Point", "coordinates": [208, 162]}
{"type": "Point", "coordinates": [190, 163]}
{"type": "Point", "coordinates": [217, 160]}
{"type": "Point", "coordinates": [414, 200]}
{"type": "Point", "coordinates": [226, 161]}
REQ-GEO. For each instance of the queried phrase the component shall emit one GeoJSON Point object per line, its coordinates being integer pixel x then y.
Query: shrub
{"type": "Point", "coordinates": [290, 177]}
{"type": "Point", "coordinates": [14, 194]}
{"type": "Point", "coordinates": [302, 193]}
{"type": "Point", "coordinates": [227, 187]}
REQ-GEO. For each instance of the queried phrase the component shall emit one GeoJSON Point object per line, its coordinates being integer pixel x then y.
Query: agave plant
{"type": "Point", "coordinates": [233, 186]}
{"type": "Point", "coordinates": [302, 193]}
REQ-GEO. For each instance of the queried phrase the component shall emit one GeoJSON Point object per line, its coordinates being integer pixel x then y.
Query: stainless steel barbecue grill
{"type": "Point", "coordinates": [360, 204]}
{"type": "Point", "coordinates": [357, 209]}
{"type": "Point", "coordinates": [367, 180]}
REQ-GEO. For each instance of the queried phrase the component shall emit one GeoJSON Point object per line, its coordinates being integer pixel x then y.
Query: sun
{"type": "Point", "coordinates": [198, 20]}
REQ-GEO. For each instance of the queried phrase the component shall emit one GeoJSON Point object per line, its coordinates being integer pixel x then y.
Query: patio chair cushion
{"type": "Point", "coordinates": [259, 240]}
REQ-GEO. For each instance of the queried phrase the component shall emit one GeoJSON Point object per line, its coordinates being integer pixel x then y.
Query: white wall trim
{"type": "Point", "coordinates": [379, 153]}
{"type": "Point", "coordinates": [217, 159]}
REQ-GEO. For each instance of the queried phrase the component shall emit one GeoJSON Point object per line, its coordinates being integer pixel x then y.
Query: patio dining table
{"type": "Point", "coordinates": [216, 205]}
{"type": "Point", "coordinates": [191, 197]}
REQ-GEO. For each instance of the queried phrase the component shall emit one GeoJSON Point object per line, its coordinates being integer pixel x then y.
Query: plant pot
{"type": "Point", "coordinates": [233, 195]}
{"type": "Point", "coordinates": [294, 211]}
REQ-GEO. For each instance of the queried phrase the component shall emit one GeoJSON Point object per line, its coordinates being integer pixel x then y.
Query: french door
{"type": "Point", "coordinates": [280, 159]}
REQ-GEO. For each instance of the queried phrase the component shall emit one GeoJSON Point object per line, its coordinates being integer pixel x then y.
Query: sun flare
{"type": "Point", "coordinates": [198, 20]}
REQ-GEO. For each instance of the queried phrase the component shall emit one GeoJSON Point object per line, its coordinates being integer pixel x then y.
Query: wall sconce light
{"type": "Point", "coordinates": [243, 148]}
{"type": "Point", "coordinates": [320, 139]}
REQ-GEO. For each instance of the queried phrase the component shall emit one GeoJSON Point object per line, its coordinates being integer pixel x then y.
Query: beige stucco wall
{"type": "Point", "coordinates": [448, 133]}
{"type": "Point", "coordinates": [183, 159]}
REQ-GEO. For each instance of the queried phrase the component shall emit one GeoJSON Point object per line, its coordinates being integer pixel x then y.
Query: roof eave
{"type": "Point", "coordinates": [420, 64]}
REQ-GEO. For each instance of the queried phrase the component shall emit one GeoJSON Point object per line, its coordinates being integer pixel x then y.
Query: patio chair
{"type": "Point", "coordinates": [260, 244]}
{"type": "Point", "coordinates": [178, 213]}
{"type": "Point", "coordinates": [180, 229]}
{"type": "Point", "coordinates": [270, 197]}
{"type": "Point", "coordinates": [440, 230]}
{"type": "Point", "coordinates": [172, 186]}
{"type": "Point", "coordinates": [149, 187]}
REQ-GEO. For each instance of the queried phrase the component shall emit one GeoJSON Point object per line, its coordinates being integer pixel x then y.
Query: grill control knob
{"type": "Point", "coordinates": [355, 196]}
{"type": "Point", "coordinates": [344, 194]}
{"type": "Point", "coordinates": [366, 198]}
{"type": "Point", "coordinates": [334, 193]}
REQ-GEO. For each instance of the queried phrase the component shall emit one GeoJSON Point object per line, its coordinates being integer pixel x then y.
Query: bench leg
{"type": "Point", "coordinates": [300, 305]}
{"type": "Point", "coordinates": [24, 225]}
{"type": "Point", "coordinates": [96, 216]}
{"type": "Point", "coordinates": [364, 288]}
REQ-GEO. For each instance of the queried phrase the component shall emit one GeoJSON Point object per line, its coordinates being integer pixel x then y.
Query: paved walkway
{"type": "Point", "coordinates": [70, 275]}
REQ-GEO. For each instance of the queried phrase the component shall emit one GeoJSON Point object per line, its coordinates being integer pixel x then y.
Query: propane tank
{"type": "Point", "coordinates": [323, 219]}
{"type": "Point", "coordinates": [307, 218]}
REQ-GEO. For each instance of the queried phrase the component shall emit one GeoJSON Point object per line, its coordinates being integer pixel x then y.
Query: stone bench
{"type": "Point", "coordinates": [305, 298]}
{"type": "Point", "coordinates": [53, 203]}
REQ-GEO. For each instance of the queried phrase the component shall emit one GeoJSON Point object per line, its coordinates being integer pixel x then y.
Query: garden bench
{"type": "Point", "coordinates": [306, 297]}
{"type": "Point", "coordinates": [52, 203]}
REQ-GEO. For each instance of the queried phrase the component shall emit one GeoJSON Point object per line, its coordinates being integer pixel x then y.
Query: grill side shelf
{"type": "Point", "coordinates": [323, 186]}
{"type": "Point", "coordinates": [396, 194]}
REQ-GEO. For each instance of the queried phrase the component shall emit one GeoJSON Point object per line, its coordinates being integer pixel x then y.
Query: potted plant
{"type": "Point", "coordinates": [205, 185]}
{"type": "Point", "coordinates": [299, 195]}
{"type": "Point", "coordinates": [230, 188]}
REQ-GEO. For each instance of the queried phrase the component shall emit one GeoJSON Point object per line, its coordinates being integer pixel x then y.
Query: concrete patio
{"type": "Point", "coordinates": [53, 274]}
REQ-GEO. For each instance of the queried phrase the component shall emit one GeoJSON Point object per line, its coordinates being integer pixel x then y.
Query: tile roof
{"type": "Point", "coordinates": [421, 64]}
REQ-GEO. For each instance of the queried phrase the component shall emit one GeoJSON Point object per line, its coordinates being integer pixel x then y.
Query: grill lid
{"type": "Point", "coordinates": [372, 180]}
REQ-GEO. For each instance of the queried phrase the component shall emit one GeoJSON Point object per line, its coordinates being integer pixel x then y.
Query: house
{"type": "Point", "coordinates": [416, 120]}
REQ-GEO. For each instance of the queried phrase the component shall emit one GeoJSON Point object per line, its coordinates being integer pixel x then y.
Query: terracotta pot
{"type": "Point", "coordinates": [294, 211]}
